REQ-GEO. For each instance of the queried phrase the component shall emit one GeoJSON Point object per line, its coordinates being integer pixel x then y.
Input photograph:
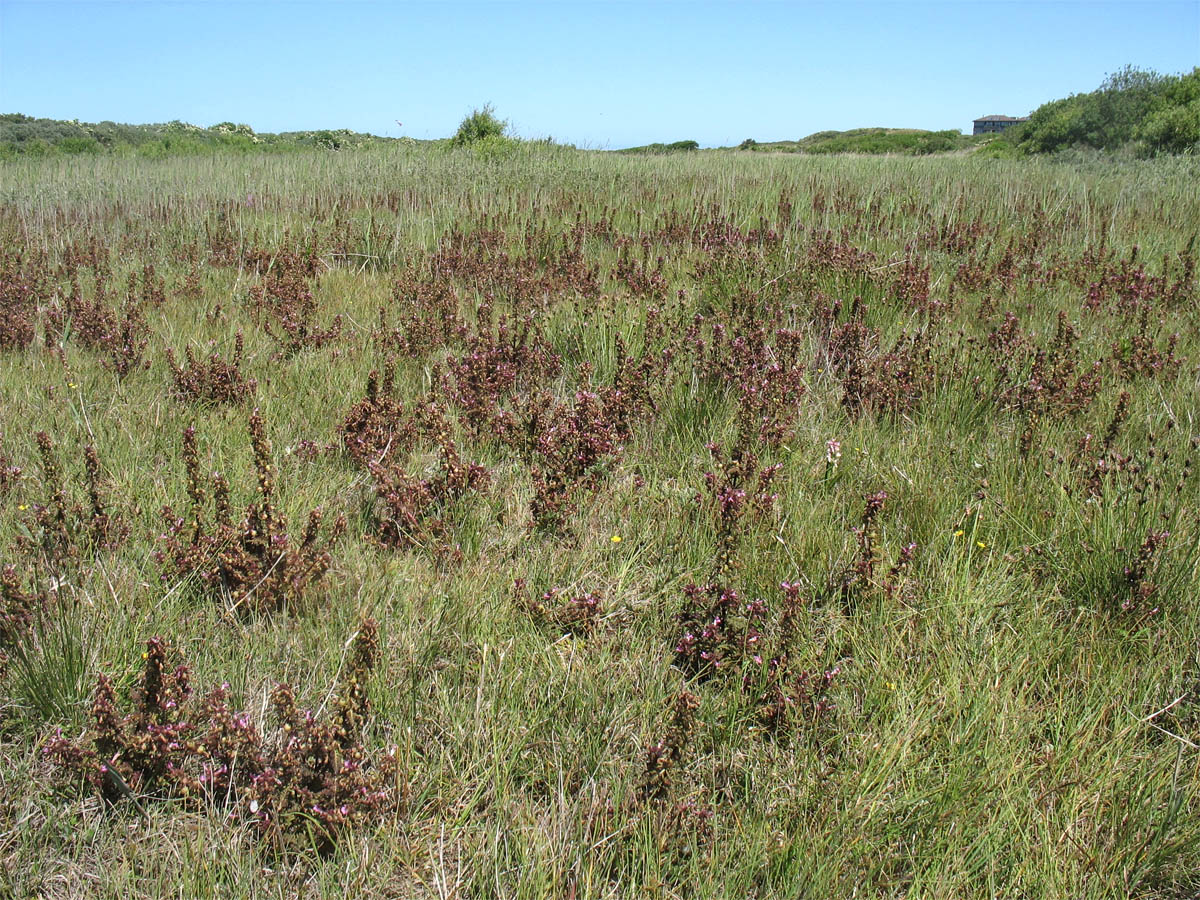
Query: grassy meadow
{"type": "Point", "coordinates": [704, 525]}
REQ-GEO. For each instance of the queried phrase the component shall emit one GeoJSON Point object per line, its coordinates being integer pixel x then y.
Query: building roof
{"type": "Point", "coordinates": [1003, 119]}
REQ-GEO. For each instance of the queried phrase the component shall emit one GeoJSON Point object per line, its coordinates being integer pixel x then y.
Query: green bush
{"type": "Point", "coordinates": [480, 124]}
{"type": "Point", "coordinates": [1172, 130]}
{"type": "Point", "coordinates": [495, 147]}
{"type": "Point", "coordinates": [1133, 107]}
{"type": "Point", "coordinates": [999, 148]}
{"type": "Point", "coordinates": [79, 145]}
{"type": "Point", "coordinates": [1173, 126]}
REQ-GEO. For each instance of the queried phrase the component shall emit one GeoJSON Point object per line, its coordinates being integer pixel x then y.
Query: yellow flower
{"type": "Point", "coordinates": [891, 685]}
{"type": "Point", "coordinates": [616, 539]}
{"type": "Point", "coordinates": [958, 533]}
{"type": "Point", "coordinates": [22, 507]}
{"type": "Point", "coordinates": [72, 384]}
{"type": "Point", "coordinates": [981, 545]}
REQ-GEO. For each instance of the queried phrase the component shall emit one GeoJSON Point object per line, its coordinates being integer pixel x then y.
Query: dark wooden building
{"type": "Point", "coordinates": [989, 124]}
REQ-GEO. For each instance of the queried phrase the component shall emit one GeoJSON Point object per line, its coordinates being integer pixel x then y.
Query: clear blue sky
{"type": "Point", "coordinates": [607, 74]}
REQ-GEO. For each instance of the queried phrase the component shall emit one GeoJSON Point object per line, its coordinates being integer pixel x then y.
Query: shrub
{"type": "Point", "coordinates": [480, 124]}
{"type": "Point", "coordinates": [1173, 126]}
{"type": "Point", "coordinates": [1161, 112]}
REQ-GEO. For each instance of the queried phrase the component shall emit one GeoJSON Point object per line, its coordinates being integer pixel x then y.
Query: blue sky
{"type": "Point", "coordinates": [609, 74]}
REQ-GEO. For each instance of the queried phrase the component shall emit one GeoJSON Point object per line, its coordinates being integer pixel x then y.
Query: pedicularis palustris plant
{"type": "Point", "coordinates": [212, 380]}
{"type": "Point", "coordinates": [248, 560]}
{"type": "Point", "coordinates": [303, 783]}
{"type": "Point", "coordinates": [62, 527]}
{"type": "Point", "coordinates": [283, 302]}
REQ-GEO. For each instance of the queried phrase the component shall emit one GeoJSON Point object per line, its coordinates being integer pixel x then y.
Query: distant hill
{"type": "Point", "coordinates": [25, 135]}
{"type": "Point", "coordinates": [676, 147]}
{"type": "Point", "coordinates": [911, 141]}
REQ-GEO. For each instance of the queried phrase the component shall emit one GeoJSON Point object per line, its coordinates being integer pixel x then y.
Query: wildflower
{"type": "Point", "coordinates": [833, 452]}
{"type": "Point", "coordinates": [981, 545]}
{"type": "Point", "coordinates": [72, 385]}
{"type": "Point", "coordinates": [616, 539]}
{"type": "Point", "coordinates": [958, 533]}
{"type": "Point", "coordinates": [23, 506]}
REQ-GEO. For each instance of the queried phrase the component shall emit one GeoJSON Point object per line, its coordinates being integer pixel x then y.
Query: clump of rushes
{"type": "Point", "coordinates": [305, 786]}
{"type": "Point", "coordinates": [61, 529]}
{"type": "Point", "coordinates": [558, 610]}
{"type": "Point", "coordinates": [214, 380]}
{"type": "Point", "coordinates": [254, 565]}
{"type": "Point", "coordinates": [1134, 542]}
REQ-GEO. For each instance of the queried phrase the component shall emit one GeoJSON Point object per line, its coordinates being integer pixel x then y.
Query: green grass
{"type": "Point", "coordinates": [1000, 727]}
